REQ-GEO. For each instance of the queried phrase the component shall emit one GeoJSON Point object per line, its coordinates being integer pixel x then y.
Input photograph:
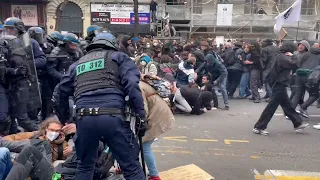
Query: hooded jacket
{"type": "Point", "coordinates": [311, 59]}
{"type": "Point", "coordinates": [124, 46]}
{"type": "Point", "coordinates": [268, 53]}
{"type": "Point", "coordinates": [217, 70]}
{"type": "Point", "coordinates": [282, 65]}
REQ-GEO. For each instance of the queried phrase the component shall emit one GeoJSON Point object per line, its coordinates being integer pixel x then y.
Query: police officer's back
{"type": "Point", "coordinates": [100, 81]}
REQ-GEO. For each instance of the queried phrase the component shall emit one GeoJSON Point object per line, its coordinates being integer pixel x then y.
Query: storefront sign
{"type": "Point", "coordinates": [27, 13]}
{"type": "Point", "coordinates": [119, 13]}
{"type": "Point", "coordinates": [100, 17]}
{"type": "Point", "coordinates": [144, 18]}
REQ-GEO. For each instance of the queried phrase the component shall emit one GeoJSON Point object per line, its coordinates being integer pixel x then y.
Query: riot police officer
{"type": "Point", "coordinates": [17, 29]}
{"type": "Point", "coordinates": [55, 38]}
{"type": "Point", "coordinates": [63, 56]}
{"type": "Point", "coordinates": [24, 94]}
{"type": "Point", "coordinates": [100, 81]}
{"type": "Point", "coordinates": [92, 31]}
{"type": "Point", "coordinates": [37, 33]}
{"type": "Point", "coordinates": [5, 121]}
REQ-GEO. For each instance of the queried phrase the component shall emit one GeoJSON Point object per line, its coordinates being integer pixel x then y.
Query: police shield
{"type": "Point", "coordinates": [22, 46]}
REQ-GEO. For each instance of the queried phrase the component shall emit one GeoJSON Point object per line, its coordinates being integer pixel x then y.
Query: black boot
{"type": "Point", "coordinates": [5, 126]}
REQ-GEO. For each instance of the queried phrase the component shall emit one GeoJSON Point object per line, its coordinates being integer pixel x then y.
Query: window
{"type": "Point", "coordinates": [250, 7]}
{"type": "Point", "coordinates": [197, 6]}
{"type": "Point", "coordinates": [308, 7]}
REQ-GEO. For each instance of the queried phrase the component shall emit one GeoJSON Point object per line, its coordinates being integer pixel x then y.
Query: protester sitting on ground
{"type": "Point", "coordinates": [5, 162]}
{"type": "Point", "coordinates": [146, 65]}
{"type": "Point", "coordinates": [208, 86]}
{"type": "Point", "coordinates": [41, 154]}
{"type": "Point", "coordinates": [196, 98]}
{"type": "Point", "coordinates": [160, 119]}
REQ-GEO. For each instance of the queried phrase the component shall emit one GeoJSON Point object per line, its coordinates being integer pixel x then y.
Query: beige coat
{"type": "Point", "coordinates": [159, 116]}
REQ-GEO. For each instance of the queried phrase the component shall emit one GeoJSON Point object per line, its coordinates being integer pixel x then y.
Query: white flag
{"type": "Point", "coordinates": [292, 14]}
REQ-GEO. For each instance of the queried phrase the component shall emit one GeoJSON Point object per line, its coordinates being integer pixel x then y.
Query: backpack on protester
{"type": "Point", "coordinates": [161, 86]}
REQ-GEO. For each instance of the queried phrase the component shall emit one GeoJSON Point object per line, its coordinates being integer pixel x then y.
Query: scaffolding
{"type": "Point", "coordinates": [201, 16]}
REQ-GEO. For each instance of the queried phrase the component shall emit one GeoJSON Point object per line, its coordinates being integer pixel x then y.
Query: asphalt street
{"type": "Point", "coordinates": [222, 143]}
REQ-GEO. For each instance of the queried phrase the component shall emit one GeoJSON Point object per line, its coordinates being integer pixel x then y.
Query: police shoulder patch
{"type": "Point", "coordinates": [90, 66]}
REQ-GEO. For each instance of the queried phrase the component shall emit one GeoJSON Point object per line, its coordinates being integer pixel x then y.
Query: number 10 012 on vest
{"type": "Point", "coordinates": [90, 66]}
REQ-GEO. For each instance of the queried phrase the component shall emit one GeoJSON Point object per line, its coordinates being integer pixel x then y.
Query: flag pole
{"type": "Point", "coordinates": [297, 31]}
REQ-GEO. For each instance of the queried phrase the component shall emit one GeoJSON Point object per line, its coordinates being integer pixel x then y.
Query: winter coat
{"type": "Point", "coordinates": [237, 66]}
{"type": "Point", "coordinates": [267, 55]}
{"type": "Point", "coordinates": [311, 59]}
{"type": "Point", "coordinates": [227, 55]}
{"type": "Point", "coordinates": [183, 72]}
{"type": "Point", "coordinates": [255, 58]}
{"type": "Point", "coordinates": [282, 65]}
{"type": "Point", "coordinates": [158, 114]}
{"type": "Point", "coordinates": [124, 46]}
{"type": "Point", "coordinates": [26, 138]}
{"type": "Point", "coordinates": [215, 67]}
{"type": "Point", "coordinates": [150, 68]}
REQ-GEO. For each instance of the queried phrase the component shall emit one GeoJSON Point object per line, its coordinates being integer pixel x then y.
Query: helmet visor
{"type": "Point", "coordinates": [39, 38]}
{"type": "Point", "coordinates": [10, 30]}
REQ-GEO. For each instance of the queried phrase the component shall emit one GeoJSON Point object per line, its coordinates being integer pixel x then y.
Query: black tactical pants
{"type": "Point", "coordinates": [279, 97]}
{"type": "Point", "coordinates": [313, 96]}
{"type": "Point", "coordinates": [300, 89]}
{"type": "Point", "coordinates": [31, 163]}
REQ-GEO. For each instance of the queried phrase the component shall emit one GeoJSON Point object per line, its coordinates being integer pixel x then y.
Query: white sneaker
{"type": "Point", "coordinates": [259, 131]}
{"type": "Point", "coordinates": [317, 126]}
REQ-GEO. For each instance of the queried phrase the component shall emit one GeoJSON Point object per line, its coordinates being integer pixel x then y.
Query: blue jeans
{"type": "Point", "coordinates": [268, 89]}
{"type": "Point", "coordinates": [223, 87]}
{"type": "Point", "coordinates": [150, 159]}
{"type": "Point", "coordinates": [244, 85]}
{"type": "Point", "coordinates": [5, 163]}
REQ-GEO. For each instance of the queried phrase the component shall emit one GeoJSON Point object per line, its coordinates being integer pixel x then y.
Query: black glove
{"type": "Point", "coordinates": [21, 70]}
{"type": "Point", "coordinates": [141, 127]}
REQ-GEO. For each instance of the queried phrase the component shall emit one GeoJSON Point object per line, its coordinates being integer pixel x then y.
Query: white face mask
{"type": "Point", "coordinates": [155, 44]}
{"type": "Point", "coordinates": [51, 135]}
{"type": "Point", "coordinates": [148, 45]}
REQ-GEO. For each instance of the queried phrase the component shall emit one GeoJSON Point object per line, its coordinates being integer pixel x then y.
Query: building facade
{"type": "Point", "coordinates": [32, 12]}
{"type": "Point", "coordinates": [199, 18]}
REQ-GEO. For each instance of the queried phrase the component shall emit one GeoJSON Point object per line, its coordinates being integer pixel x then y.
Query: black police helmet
{"type": "Point", "coordinates": [15, 23]}
{"type": "Point", "coordinates": [103, 40]}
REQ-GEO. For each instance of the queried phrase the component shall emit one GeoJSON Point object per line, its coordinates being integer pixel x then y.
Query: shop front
{"type": "Point", "coordinates": [31, 12]}
{"type": "Point", "coordinates": [119, 18]}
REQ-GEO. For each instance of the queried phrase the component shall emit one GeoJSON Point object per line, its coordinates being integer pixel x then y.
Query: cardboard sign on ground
{"type": "Point", "coordinates": [188, 172]}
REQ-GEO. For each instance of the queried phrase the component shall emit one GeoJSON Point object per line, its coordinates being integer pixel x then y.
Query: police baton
{"type": "Point", "coordinates": [130, 113]}
{"type": "Point", "coordinates": [142, 156]}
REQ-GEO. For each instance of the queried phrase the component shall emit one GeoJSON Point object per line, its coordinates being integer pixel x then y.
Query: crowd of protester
{"type": "Point", "coordinates": [179, 77]}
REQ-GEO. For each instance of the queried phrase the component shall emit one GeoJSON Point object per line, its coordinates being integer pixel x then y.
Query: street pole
{"type": "Point", "coordinates": [297, 31]}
